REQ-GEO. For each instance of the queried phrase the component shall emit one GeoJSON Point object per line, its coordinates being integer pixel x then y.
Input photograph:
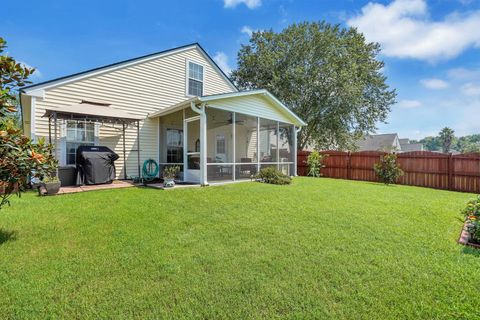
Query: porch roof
{"type": "Point", "coordinates": [293, 118]}
{"type": "Point", "coordinates": [92, 111]}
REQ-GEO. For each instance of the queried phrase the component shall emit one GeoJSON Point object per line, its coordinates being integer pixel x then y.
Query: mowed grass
{"type": "Point", "coordinates": [320, 248]}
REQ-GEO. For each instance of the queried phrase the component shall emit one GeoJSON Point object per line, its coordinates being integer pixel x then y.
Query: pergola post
{"type": "Point", "coordinates": [56, 139]}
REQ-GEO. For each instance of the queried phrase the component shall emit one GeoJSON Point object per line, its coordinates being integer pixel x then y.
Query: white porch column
{"type": "Point", "coordinates": [203, 147]}
{"type": "Point", "coordinates": [295, 132]}
{"type": "Point", "coordinates": [203, 141]}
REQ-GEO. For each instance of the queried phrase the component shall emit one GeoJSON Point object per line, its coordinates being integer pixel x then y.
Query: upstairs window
{"type": "Point", "coordinates": [195, 79]}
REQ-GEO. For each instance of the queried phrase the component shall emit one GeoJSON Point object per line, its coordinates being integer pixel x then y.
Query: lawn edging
{"type": "Point", "coordinates": [464, 238]}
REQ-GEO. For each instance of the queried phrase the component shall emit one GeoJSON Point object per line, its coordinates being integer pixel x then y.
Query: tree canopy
{"type": "Point", "coordinates": [328, 75]}
{"type": "Point", "coordinates": [464, 144]}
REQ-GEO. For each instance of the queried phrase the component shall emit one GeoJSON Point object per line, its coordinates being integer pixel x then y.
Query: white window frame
{"type": "Point", "coordinates": [167, 146]}
{"type": "Point", "coordinates": [187, 77]}
{"type": "Point", "coordinates": [64, 135]}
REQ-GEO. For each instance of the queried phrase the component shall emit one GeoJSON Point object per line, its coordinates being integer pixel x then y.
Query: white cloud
{"type": "Point", "coordinates": [222, 60]}
{"type": "Point", "coordinates": [471, 89]}
{"type": "Point", "coordinates": [464, 74]}
{"type": "Point", "coordinates": [247, 30]}
{"type": "Point", "coordinates": [434, 84]}
{"type": "Point", "coordinates": [404, 30]}
{"type": "Point", "coordinates": [251, 4]}
{"type": "Point", "coordinates": [409, 104]}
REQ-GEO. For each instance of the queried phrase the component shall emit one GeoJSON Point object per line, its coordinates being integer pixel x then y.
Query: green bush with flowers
{"type": "Point", "coordinates": [472, 217]}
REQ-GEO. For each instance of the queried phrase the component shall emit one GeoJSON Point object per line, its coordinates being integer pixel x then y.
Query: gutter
{"type": "Point", "coordinates": [203, 142]}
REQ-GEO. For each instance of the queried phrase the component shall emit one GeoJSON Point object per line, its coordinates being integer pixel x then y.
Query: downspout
{"type": "Point", "coordinates": [203, 141]}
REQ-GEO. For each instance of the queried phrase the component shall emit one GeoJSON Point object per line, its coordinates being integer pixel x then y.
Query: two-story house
{"type": "Point", "coordinates": [176, 107]}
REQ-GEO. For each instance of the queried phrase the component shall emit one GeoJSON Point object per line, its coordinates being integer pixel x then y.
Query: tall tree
{"type": "Point", "coordinates": [328, 75]}
{"type": "Point", "coordinates": [446, 137]}
{"type": "Point", "coordinates": [19, 155]}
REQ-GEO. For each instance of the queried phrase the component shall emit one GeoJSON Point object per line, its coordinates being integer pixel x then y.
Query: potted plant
{"type": "Point", "coordinates": [50, 185]}
{"type": "Point", "coordinates": [169, 174]}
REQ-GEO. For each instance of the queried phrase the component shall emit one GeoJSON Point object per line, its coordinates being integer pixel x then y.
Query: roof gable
{"type": "Point", "coordinates": [123, 64]}
{"type": "Point", "coordinates": [260, 103]}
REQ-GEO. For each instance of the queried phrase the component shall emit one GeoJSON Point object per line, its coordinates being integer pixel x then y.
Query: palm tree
{"type": "Point", "coordinates": [446, 137]}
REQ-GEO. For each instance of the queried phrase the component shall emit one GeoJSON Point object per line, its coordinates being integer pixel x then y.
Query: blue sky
{"type": "Point", "coordinates": [431, 49]}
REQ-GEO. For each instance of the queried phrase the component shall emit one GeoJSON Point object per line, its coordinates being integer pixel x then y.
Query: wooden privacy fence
{"type": "Point", "coordinates": [422, 168]}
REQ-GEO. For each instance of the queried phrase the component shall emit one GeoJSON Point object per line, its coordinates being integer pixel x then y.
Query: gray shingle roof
{"type": "Point", "coordinates": [377, 142]}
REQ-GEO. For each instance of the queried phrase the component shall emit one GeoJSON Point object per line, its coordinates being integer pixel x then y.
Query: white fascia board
{"type": "Point", "coordinates": [301, 123]}
{"type": "Point", "coordinates": [231, 95]}
{"type": "Point", "coordinates": [37, 93]}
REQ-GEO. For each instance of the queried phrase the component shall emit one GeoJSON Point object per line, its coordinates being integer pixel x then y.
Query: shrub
{"type": "Point", "coordinates": [273, 176]}
{"type": "Point", "coordinates": [315, 163]}
{"type": "Point", "coordinates": [170, 172]}
{"type": "Point", "coordinates": [388, 171]}
{"type": "Point", "coordinates": [20, 157]}
{"type": "Point", "coordinates": [472, 216]}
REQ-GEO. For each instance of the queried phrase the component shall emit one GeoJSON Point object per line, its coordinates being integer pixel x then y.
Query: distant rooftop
{"type": "Point", "coordinates": [379, 142]}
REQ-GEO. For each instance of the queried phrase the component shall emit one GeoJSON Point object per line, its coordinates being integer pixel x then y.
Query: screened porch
{"type": "Point", "coordinates": [237, 144]}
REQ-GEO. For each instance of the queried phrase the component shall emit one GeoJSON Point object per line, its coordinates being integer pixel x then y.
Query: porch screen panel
{"type": "Point", "coordinates": [268, 140]}
{"type": "Point", "coordinates": [246, 138]}
{"type": "Point", "coordinates": [286, 148]}
{"type": "Point", "coordinates": [220, 145]}
{"type": "Point", "coordinates": [219, 136]}
{"type": "Point", "coordinates": [171, 140]}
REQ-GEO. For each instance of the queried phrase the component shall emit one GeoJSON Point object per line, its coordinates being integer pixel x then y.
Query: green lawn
{"type": "Point", "coordinates": [319, 248]}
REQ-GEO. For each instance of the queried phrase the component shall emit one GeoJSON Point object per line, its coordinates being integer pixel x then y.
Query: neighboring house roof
{"type": "Point", "coordinates": [378, 142]}
{"type": "Point", "coordinates": [404, 141]}
{"type": "Point", "coordinates": [411, 146]}
{"type": "Point", "coordinates": [217, 97]}
{"type": "Point", "coordinates": [122, 64]}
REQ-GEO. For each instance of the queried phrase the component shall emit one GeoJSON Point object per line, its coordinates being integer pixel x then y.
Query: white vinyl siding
{"type": "Point", "coordinates": [252, 105]}
{"type": "Point", "coordinates": [139, 89]}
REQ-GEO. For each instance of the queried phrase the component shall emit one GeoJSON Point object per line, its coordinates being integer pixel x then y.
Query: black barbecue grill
{"type": "Point", "coordinates": [95, 165]}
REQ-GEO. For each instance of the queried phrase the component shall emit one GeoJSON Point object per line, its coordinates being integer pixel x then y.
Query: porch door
{"type": "Point", "coordinates": [191, 151]}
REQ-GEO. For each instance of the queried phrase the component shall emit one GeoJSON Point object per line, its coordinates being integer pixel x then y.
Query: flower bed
{"type": "Point", "coordinates": [471, 229]}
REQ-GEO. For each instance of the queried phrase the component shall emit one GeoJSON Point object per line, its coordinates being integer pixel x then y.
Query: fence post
{"type": "Point", "coordinates": [349, 166]}
{"type": "Point", "coordinates": [450, 171]}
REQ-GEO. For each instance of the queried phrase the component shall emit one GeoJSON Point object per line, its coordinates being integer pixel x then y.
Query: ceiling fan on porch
{"type": "Point", "coordinates": [230, 121]}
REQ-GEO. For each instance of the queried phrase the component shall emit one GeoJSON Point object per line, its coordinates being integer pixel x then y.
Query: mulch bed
{"type": "Point", "coordinates": [465, 237]}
